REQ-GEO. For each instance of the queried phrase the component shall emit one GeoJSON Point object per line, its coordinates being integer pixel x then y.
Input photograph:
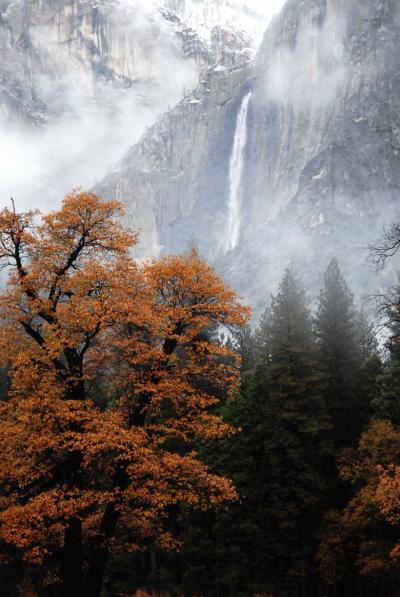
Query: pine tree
{"type": "Point", "coordinates": [365, 336]}
{"type": "Point", "coordinates": [296, 428]}
{"type": "Point", "coordinates": [339, 356]}
{"type": "Point", "coordinates": [261, 337]}
{"type": "Point", "coordinates": [277, 460]}
{"type": "Point", "coordinates": [369, 367]}
{"type": "Point", "coordinates": [266, 542]}
{"type": "Point", "coordinates": [246, 348]}
{"type": "Point", "coordinates": [225, 555]}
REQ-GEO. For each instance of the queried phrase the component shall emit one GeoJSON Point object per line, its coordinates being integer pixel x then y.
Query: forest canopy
{"type": "Point", "coordinates": [152, 440]}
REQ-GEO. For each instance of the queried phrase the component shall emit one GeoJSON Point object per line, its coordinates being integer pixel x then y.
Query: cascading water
{"type": "Point", "coordinates": [235, 174]}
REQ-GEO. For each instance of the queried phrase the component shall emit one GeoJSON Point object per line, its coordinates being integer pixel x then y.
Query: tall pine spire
{"type": "Point", "coordinates": [339, 355]}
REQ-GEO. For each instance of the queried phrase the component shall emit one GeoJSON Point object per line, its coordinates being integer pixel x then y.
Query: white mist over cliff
{"type": "Point", "coordinates": [86, 81]}
{"type": "Point", "coordinates": [82, 80]}
{"type": "Point", "coordinates": [290, 156]}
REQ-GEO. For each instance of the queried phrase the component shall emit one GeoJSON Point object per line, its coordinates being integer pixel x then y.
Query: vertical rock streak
{"type": "Point", "coordinates": [235, 174]}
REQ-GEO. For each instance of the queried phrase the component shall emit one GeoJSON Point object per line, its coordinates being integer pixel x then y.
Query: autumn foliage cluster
{"type": "Point", "coordinates": [115, 379]}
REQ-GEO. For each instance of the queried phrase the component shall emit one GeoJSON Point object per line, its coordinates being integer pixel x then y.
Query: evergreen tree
{"type": "Point", "coordinates": [296, 430]}
{"type": "Point", "coordinates": [336, 328]}
{"type": "Point", "coordinates": [366, 337]}
{"type": "Point", "coordinates": [369, 367]}
{"type": "Point", "coordinates": [386, 404]}
{"type": "Point", "coordinates": [369, 388]}
{"type": "Point", "coordinates": [246, 348]}
{"type": "Point", "coordinates": [261, 337]}
{"type": "Point", "coordinates": [266, 542]}
{"type": "Point", "coordinates": [225, 555]}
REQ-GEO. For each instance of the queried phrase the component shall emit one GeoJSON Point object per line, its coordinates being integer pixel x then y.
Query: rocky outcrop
{"type": "Point", "coordinates": [54, 53]}
{"type": "Point", "coordinates": [320, 172]}
{"type": "Point", "coordinates": [175, 182]}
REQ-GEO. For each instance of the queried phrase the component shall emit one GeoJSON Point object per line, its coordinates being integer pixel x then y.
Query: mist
{"type": "Point", "coordinates": [79, 98]}
{"type": "Point", "coordinates": [94, 104]}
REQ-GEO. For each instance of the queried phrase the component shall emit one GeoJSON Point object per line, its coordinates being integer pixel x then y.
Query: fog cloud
{"type": "Point", "coordinates": [93, 114]}
{"type": "Point", "coordinates": [309, 75]}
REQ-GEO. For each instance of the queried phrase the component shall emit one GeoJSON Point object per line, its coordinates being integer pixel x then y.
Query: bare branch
{"type": "Point", "coordinates": [387, 247]}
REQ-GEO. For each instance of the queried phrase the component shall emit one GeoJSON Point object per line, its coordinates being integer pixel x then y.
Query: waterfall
{"type": "Point", "coordinates": [235, 174]}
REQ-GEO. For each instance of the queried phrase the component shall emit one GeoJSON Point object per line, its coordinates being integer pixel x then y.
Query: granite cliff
{"type": "Point", "coordinates": [294, 158]}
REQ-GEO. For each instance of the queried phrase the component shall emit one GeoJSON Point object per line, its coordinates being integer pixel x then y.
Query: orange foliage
{"type": "Point", "coordinates": [387, 499]}
{"type": "Point", "coordinates": [78, 307]}
{"type": "Point", "coordinates": [358, 534]}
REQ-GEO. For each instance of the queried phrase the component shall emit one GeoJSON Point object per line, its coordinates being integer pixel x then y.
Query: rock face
{"type": "Point", "coordinates": [49, 46]}
{"type": "Point", "coordinates": [53, 50]}
{"type": "Point", "coordinates": [80, 80]}
{"type": "Point", "coordinates": [322, 173]}
{"type": "Point", "coordinates": [319, 161]}
{"type": "Point", "coordinates": [175, 182]}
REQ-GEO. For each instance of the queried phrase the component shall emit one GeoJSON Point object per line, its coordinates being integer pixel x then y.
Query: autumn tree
{"type": "Point", "coordinates": [79, 481]}
{"type": "Point", "coordinates": [359, 546]}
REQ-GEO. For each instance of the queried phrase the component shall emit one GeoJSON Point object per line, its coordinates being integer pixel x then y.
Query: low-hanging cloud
{"type": "Point", "coordinates": [98, 103]}
{"type": "Point", "coordinates": [309, 75]}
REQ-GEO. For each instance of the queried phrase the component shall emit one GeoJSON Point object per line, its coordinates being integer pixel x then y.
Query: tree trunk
{"type": "Point", "coordinates": [75, 381]}
{"type": "Point", "coordinates": [71, 561]}
{"type": "Point", "coordinates": [99, 559]}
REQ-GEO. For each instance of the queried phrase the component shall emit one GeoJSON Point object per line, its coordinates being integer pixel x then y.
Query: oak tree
{"type": "Point", "coordinates": [80, 478]}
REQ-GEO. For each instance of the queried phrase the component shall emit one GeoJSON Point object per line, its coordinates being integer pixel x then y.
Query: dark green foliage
{"type": "Point", "coordinates": [296, 438]}
{"type": "Point", "coordinates": [369, 387]}
{"type": "Point", "coordinates": [339, 356]}
{"type": "Point", "coordinates": [366, 337]}
{"type": "Point", "coordinates": [224, 551]}
{"type": "Point", "coordinates": [386, 404]}
{"type": "Point", "coordinates": [267, 541]}
{"type": "Point", "coordinates": [261, 338]}
{"type": "Point", "coordinates": [369, 367]}
{"type": "Point", "coordinates": [247, 348]}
